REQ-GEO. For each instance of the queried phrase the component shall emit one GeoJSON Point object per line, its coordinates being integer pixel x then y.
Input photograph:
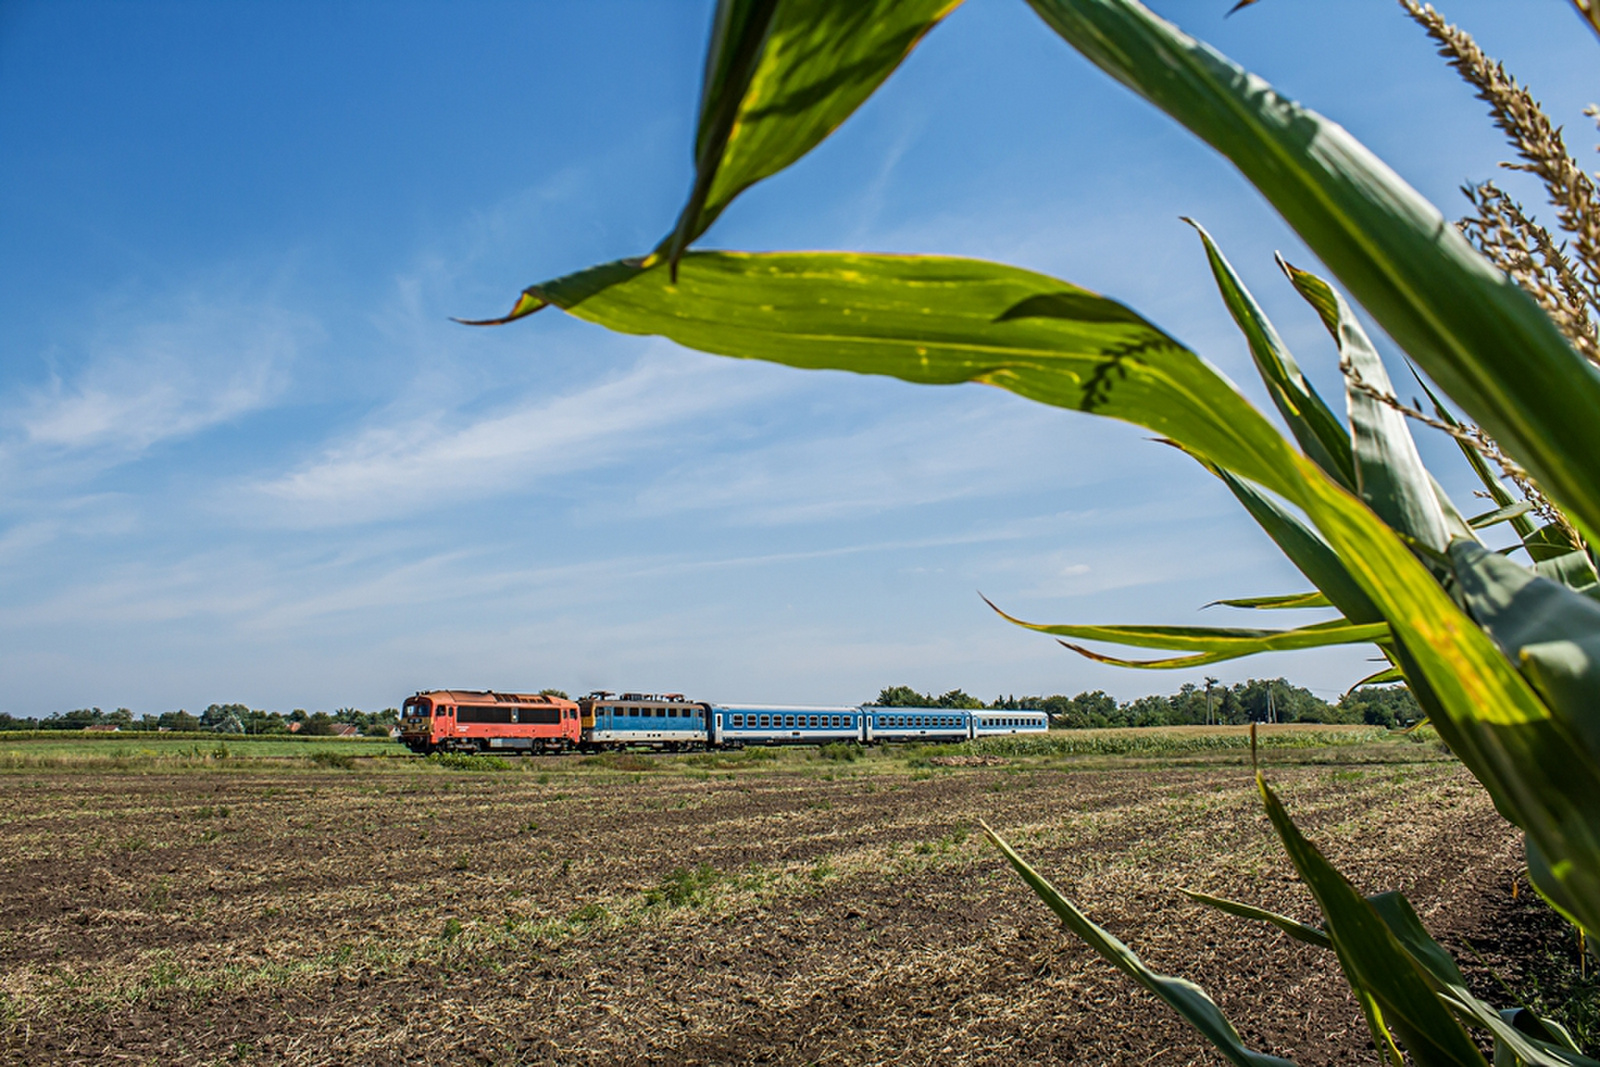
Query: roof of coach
{"type": "Point", "coordinates": [927, 710]}
{"type": "Point", "coordinates": [489, 696]}
{"type": "Point", "coordinates": [786, 707]}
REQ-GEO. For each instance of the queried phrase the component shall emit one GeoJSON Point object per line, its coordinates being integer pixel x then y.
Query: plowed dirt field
{"type": "Point", "coordinates": [643, 911]}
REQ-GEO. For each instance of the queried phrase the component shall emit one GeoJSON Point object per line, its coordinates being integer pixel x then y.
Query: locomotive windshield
{"type": "Point", "coordinates": [419, 710]}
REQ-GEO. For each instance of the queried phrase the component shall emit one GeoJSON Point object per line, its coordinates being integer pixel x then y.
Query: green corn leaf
{"type": "Point", "coordinates": [1314, 425]}
{"type": "Point", "coordinates": [1501, 514]}
{"type": "Point", "coordinates": [1455, 524]}
{"type": "Point", "coordinates": [780, 77]}
{"type": "Point", "coordinates": [1575, 570]}
{"type": "Point", "coordinates": [1373, 960]}
{"type": "Point", "coordinates": [1549, 542]}
{"type": "Point", "coordinates": [1389, 471]}
{"type": "Point", "coordinates": [1222, 641]}
{"type": "Point", "coordinates": [1497, 492]}
{"type": "Point", "coordinates": [1554, 633]}
{"type": "Point", "coordinates": [1267, 603]}
{"type": "Point", "coordinates": [1216, 638]}
{"type": "Point", "coordinates": [936, 320]}
{"type": "Point", "coordinates": [738, 39]}
{"type": "Point", "coordinates": [1525, 760]}
{"type": "Point", "coordinates": [1172, 663]}
{"type": "Point", "coordinates": [1388, 674]}
{"type": "Point", "coordinates": [1305, 548]}
{"type": "Point", "coordinates": [1546, 1030]}
{"type": "Point", "coordinates": [1184, 997]}
{"type": "Point", "coordinates": [1471, 328]}
{"type": "Point", "coordinates": [1554, 885]}
{"type": "Point", "coordinates": [1402, 921]}
{"type": "Point", "coordinates": [1544, 1046]}
{"type": "Point", "coordinates": [1296, 929]}
{"type": "Point", "coordinates": [1550, 630]}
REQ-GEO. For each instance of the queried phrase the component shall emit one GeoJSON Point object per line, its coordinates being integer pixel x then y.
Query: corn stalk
{"type": "Point", "coordinates": [1504, 657]}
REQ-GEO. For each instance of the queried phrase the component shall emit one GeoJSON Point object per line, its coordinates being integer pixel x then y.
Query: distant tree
{"type": "Point", "coordinates": [12, 722]}
{"type": "Point", "coordinates": [561, 693]}
{"type": "Point", "coordinates": [1381, 705]}
{"type": "Point", "coordinates": [216, 715]}
{"type": "Point", "coordinates": [73, 720]}
{"type": "Point", "coordinates": [1188, 705]}
{"type": "Point", "coordinates": [957, 698]}
{"type": "Point", "coordinates": [1147, 711]}
{"type": "Point", "coordinates": [1058, 708]}
{"type": "Point", "coordinates": [1083, 710]}
{"type": "Point", "coordinates": [298, 715]}
{"type": "Point", "coordinates": [264, 722]}
{"type": "Point", "coordinates": [122, 718]}
{"type": "Point", "coordinates": [179, 721]}
{"type": "Point", "coordinates": [902, 696]}
{"type": "Point", "coordinates": [320, 724]}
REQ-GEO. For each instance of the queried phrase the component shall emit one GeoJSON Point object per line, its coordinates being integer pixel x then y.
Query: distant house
{"type": "Point", "coordinates": [347, 731]}
{"type": "Point", "coordinates": [102, 728]}
{"type": "Point", "coordinates": [294, 727]}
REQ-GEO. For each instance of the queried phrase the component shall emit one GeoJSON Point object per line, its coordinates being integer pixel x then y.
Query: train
{"type": "Point", "coordinates": [470, 720]}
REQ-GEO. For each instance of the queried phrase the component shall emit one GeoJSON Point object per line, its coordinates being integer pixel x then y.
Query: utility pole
{"type": "Point", "coordinates": [1209, 683]}
{"type": "Point", "coordinates": [1272, 707]}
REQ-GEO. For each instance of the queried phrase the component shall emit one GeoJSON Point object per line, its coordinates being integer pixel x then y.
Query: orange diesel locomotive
{"type": "Point", "coordinates": [462, 720]}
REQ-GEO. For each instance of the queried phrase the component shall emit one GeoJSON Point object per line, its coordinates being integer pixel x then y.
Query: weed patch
{"type": "Point", "coordinates": [466, 761]}
{"type": "Point", "coordinates": [685, 887]}
{"type": "Point", "coordinates": [843, 751]}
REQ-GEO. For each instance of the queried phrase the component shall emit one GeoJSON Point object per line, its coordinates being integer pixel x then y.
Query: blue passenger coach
{"type": "Point", "coordinates": [769, 724]}
{"type": "Point", "coordinates": [916, 724]}
{"type": "Point", "coordinates": [669, 722]}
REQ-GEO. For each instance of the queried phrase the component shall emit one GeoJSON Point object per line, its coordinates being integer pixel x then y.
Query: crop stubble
{"type": "Point", "coordinates": [777, 917]}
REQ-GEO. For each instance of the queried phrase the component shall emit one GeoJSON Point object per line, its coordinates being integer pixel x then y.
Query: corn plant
{"type": "Point", "coordinates": [1504, 657]}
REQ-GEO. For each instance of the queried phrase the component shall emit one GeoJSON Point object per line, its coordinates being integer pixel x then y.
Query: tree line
{"type": "Point", "coordinates": [1255, 700]}
{"type": "Point", "coordinates": [216, 718]}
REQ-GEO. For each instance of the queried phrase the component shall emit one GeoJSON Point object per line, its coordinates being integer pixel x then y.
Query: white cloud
{"type": "Point", "coordinates": [419, 460]}
{"type": "Point", "coordinates": [141, 384]}
{"type": "Point", "coordinates": [925, 449]}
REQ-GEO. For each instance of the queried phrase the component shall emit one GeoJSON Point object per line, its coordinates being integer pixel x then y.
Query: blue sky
{"type": "Point", "coordinates": [245, 455]}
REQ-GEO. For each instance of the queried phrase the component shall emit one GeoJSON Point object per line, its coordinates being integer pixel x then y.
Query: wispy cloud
{"type": "Point", "coordinates": [136, 385]}
{"type": "Point", "coordinates": [938, 449]}
{"type": "Point", "coordinates": [424, 459]}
